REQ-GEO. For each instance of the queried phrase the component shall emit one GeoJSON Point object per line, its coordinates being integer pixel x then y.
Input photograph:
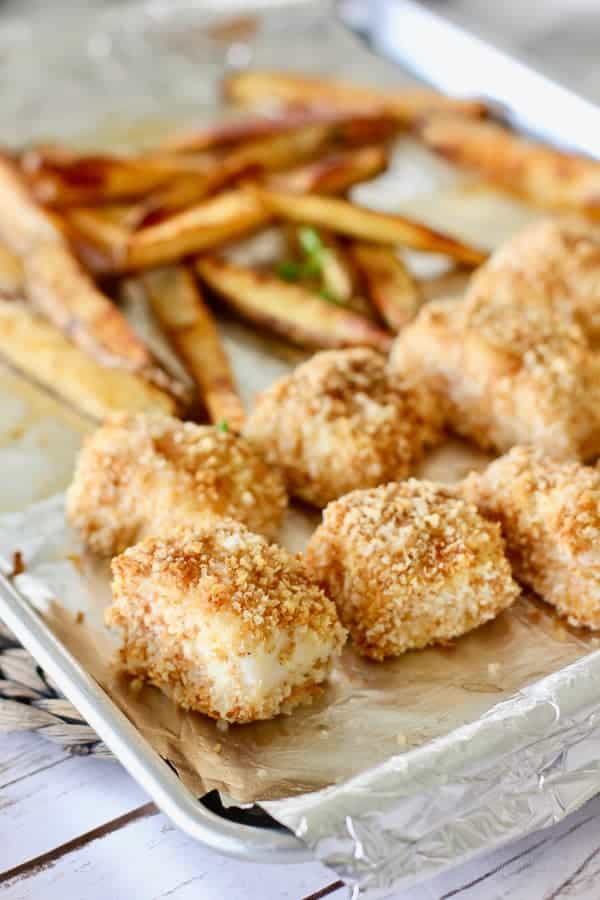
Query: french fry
{"type": "Point", "coordinates": [210, 224]}
{"type": "Point", "coordinates": [540, 174]}
{"type": "Point", "coordinates": [80, 180]}
{"type": "Point", "coordinates": [57, 284]}
{"type": "Point", "coordinates": [252, 88]}
{"type": "Point", "coordinates": [171, 198]}
{"type": "Point", "coordinates": [60, 288]}
{"type": "Point", "coordinates": [102, 228]}
{"type": "Point", "coordinates": [390, 286]}
{"type": "Point", "coordinates": [343, 217]}
{"type": "Point", "coordinates": [187, 322]}
{"type": "Point", "coordinates": [133, 301]}
{"type": "Point", "coordinates": [235, 132]}
{"type": "Point", "coordinates": [38, 349]}
{"type": "Point", "coordinates": [290, 310]}
{"type": "Point", "coordinates": [332, 174]}
{"type": "Point", "coordinates": [279, 151]}
{"type": "Point", "coordinates": [12, 276]}
{"type": "Point", "coordinates": [271, 153]}
{"type": "Point", "coordinates": [22, 222]}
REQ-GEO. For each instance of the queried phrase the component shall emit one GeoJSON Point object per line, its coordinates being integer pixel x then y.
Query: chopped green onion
{"type": "Point", "coordinates": [329, 295]}
{"type": "Point", "coordinates": [312, 267]}
{"type": "Point", "coordinates": [223, 426]}
{"type": "Point", "coordinates": [289, 270]}
{"type": "Point", "coordinates": [310, 240]}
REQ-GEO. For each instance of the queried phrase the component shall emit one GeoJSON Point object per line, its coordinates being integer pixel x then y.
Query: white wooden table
{"type": "Point", "coordinates": [77, 827]}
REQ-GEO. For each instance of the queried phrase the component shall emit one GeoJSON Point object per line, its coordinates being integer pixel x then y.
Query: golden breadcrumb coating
{"type": "Point", "coordinates": [511, 368]}
{"type": "Point", "coordinates": [142, 474]}
{"type": "Point", "coordinates": [553, 261]}
{"type": "Point", "coordinates": [408, 565]}
{"type": "Point", "coordinates": [550, 517]}
{"type": "Point", "coordinates": [341, 421]}
{"type": "Point", "coordinates": [223, 622]}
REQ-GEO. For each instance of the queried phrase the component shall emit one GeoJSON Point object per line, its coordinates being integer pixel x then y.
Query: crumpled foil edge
{"type": "Point", "coordinates": [525, 765]}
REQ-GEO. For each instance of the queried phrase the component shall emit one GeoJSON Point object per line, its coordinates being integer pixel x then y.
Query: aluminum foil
{"type": "Point", "coordinates": [403, 768]}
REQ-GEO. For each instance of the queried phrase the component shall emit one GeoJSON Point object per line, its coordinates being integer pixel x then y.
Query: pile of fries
{"type": "Point", "coordinates": [74, 229]}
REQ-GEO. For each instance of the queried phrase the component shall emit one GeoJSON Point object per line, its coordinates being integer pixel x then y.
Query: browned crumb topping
{"type": "Point", "coordinates": [554, 261]}
{"type": "Point", "coordinates": [508, 373]}
{"type": "Point", "coordinates": [409, 564]}
{"type": "Point", "coordinates": [550, 516]}
{"type": "Point", "coordinates": [514, 359]}
{"type": "Point", "coordinates": [142, 474]}
{"type": "Point", "coordinates": [564, 497]}
{"type": "Point", "coordinates": [341, 421]}
{"type": "Point", "coordinates": [223, 621]}
{"type": "Point", "coordinates": [225, 566]}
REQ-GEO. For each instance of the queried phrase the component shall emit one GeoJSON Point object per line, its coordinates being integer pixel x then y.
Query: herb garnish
{"type": "Point", "coordinates": [312, 265]}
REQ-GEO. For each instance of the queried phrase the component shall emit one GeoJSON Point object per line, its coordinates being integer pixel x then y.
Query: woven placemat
{"type": "Point", "coordinates": [29, 701]}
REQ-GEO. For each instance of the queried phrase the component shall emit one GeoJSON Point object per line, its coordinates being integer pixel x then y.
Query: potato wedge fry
{"type": "Point", "coordinates": [12, 276]}
{"type": "Point", "coordinates": [260, 155]}
{"type": "Point", "coordinates": [289, 310]}
{"type": "Point", "coordinates": [332, 174]}
{"type": "Point", "coordinates": [252, 88]}
{"type": "Point", "coordinates": [540, 174]}
{"type": "Point", "coordinates": [188, 323]}
{"type": "Point", "coordinates": [235, 132]}
{"type": "Point", "coordinates": [57, 284]}
{"type": "Point", "coordinates": [100, 227]}
{"type": "Point", "coordinates": [277, 152]}
{"type": "Point", "coordinates": [42, 352]}
{"type": "Point", "coordinates": [343, 217]}
{"type": "Point", "coordinates": [133, 300]}
{"type": "Point", "coordinates": [172, 198]}
{"type": "Point", "coordinates": [22, 222]}
{"type": "Point", "coordinates": [390, 286]}
{"type": "Point", "coordinates": [210, 224]}
{"type": "Point", "coordinates": [59, 287]}
{"type": "Point", "coordinates": [80, 180]}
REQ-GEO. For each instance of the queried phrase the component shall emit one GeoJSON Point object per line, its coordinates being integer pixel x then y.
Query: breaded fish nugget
{"type": "Point", "coordinates": [513, 360]}
{"type": "Point", "coordinates": [140, 475]}
{"type": "Point", "coordinates": [507, 373]}
{"type": "Point", "coordinates": [549, 512]}
{"type": "Point", "coordinates": [552, 261]}
{"type": "Point", "coordinates": [408, 565]}
{"type": "Point", "coordinates": [341, 421]}
{"type": "Point", "coordinates": [223, 622]}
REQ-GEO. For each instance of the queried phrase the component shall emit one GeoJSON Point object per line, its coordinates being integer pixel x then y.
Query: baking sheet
{"type": "Point", "coordinates": [372, 715]}
{"type": "Point", "coordinates": [369, 711]}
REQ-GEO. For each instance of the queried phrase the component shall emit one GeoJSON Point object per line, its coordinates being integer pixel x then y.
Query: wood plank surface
{"type": "Point", "coordinates": [75, 827]}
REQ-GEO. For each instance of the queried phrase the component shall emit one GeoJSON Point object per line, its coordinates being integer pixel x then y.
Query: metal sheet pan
{"type": "Point", "coordinates": [528, 760]}
{"type": "Point", "coordinates": [133, 751]}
